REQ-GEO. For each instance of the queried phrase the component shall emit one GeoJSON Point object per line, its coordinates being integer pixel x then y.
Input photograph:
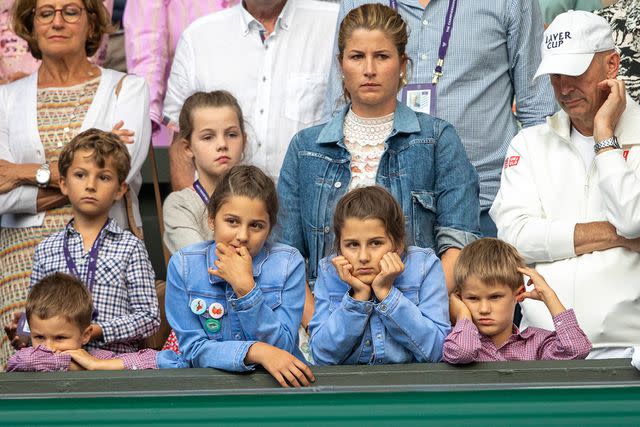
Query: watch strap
{"type": "Point", "coordinates": [611, 142]}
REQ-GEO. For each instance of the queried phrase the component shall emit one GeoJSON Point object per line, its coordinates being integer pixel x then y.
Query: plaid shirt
{"type": "Point", "coordinates": [124, 292]}
{"type": "Point", "coordinates": [465, 344]}
{"type": "Point", "coordinates": [41, 359]}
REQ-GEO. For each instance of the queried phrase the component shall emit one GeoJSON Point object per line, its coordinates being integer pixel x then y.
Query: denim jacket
{"type": "Point", "coordinates": [271, 312]}
{"type": "Point", "coordinates": [409, 325]}
{"type": "Point", "coordinates": [424, 166]}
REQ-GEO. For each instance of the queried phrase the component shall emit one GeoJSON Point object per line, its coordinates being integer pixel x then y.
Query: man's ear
{"type": "Point", "coordinates": [86, 334]}
{"type": "Point", "coordinates": [613, 65]}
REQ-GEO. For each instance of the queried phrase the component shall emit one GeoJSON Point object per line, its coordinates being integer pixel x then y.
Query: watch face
{"type": "Point", "coordinates": [43, 176]}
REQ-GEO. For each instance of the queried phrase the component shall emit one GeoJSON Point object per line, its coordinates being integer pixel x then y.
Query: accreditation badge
{"type": "Point", "coordinates": [420, 97]}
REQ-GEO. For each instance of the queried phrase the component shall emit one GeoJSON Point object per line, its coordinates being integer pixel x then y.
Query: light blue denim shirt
{"type": "Point", "coordinates": [424, 166]}
{"type": "Point", "coordinates": [271, 312]}
{"type": "Point", "coordinates": [409, 325]}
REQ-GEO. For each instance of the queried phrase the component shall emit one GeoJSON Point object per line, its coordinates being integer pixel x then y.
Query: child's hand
{"type": "Point", "coordinates": [82, 358]}
{"type": "Point", "coordinates": [391, 266]}
{"type": "Point", "coordinates": [235, 267]}
{"type": "Point", "coordinates": [282, 365]}
{"type": "Point", "coordinates": [91, 363]}
{"type": "Point", "coordinates": [17, 341]}
{"type": "Point", "coordinates": [541, 292]}
{"type": "Point", "coordinates": [458, 310]}
{"type": "Point", "coordinates": [361, 291]}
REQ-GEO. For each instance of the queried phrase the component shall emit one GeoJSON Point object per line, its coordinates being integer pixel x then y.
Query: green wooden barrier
{"type": "Point", "coordinates": [498, 394]}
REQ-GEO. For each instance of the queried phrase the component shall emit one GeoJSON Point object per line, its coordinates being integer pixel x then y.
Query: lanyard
{"type": "Point", "coordinates": [93, 258]}
{"type": "Point", "coordinates": [444, 39]}
{"type": "Point", "coordinates": [201, 191]}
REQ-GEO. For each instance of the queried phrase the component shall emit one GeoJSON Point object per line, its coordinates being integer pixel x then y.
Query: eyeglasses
{"type": "Point", "coordinates": [70, 13]}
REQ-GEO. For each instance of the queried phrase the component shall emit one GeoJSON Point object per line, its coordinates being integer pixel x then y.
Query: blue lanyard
{"type": "Point", "coordinates": [201, 191]}
{"type": "Point", "coordinates": [444, 39]}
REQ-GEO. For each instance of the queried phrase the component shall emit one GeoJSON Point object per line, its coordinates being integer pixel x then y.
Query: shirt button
{"type": "Point", "coordinates": [423, 56]}
{"type": "Point", "coordinates": [66, 129]}
{"type": "Point", "coordinates": [367, 343]}
{"type": "Point", "coordinates": [337, 184]}
{"type": "Point", "coordinates": [259, 144]}
{"type": "Point", "coordinates": [379, 336]}
{"type": "Point", "coordinates": [264, 78]}
{"type": "Point", "coordinates": [233, 304]}
{"type": "Point", "coordinates": [327, 229]}
{"type": "Point", "coordinates": [425, 22]}
{"type": "Point", "coordinates": [237, 336]}
{"type": "Point", "coordinates": [383, 307]}
{"type": "Point", "coordinates": [262, 111]}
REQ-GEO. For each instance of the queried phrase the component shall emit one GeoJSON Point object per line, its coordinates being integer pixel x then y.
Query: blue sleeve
{"type": "Point", "coordinates": [534, 98]}
{"type": "Point", "coordinates": [290, 230]}
{"type": "Point", "coordinates": [335, 332]}
{"type": "Point", "coordinates": [197, 349]}
{"type": "Point", "coordinates": [277, 326]}
{"type": "Point", "coordinates": [457, 190]}
{"type": "Point", "coordinates": [421, 329]}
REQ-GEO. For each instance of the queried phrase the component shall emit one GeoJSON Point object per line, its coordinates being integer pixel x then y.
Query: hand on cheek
{"type": "Point", "coordinates": [235, 267]}
{"type": "Point", "coordinates": [361, 291]}
{"type": "Point", "coordinates": [391, 267]}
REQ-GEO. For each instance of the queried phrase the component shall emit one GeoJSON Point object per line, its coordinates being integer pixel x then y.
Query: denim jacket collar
{"type": "Point", "coordinates": [404, 121]}
{"type": "Point", "coordinates": [257, 262]}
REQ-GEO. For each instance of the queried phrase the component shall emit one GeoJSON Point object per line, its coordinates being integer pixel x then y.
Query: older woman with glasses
{"type": "Point", "coordinates": [41, 113]}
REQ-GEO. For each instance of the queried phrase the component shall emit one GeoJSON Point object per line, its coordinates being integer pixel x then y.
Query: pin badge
{"type": "Point", "coordinates": [216, 310]}
{"type": "Point", "coordinates": [212, 325]}
{"type": "Point", "coordinates": [198, 306]}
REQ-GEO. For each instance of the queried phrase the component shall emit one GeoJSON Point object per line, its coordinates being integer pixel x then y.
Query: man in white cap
{"type": "Point", "coordinates": [569, 198]}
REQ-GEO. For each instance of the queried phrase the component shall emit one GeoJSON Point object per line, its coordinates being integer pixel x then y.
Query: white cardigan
{"type": "Point", "coordinates": [20, 140]}
{"type": "Point", "coordinates": [545, 191]}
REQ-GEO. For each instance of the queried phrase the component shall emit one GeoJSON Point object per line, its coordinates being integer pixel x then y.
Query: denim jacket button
{"type": "Point", "coordinates": [383, 307]}
{"type": "Point", "coordinates": [327, 229]}
{"type": "Point", "coordinates": [367, 343]}
{"type": "Point", "coordinates": [338, 184]}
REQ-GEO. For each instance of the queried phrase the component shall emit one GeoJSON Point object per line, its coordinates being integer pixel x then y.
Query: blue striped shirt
{"type": "Point", "coordinates": [493, 54]}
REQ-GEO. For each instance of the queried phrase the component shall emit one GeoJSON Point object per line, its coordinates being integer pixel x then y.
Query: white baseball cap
{"type": "Point", "coordinates": [570, 42]}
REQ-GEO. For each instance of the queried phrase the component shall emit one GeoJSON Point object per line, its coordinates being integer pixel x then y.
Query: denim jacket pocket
{"type": "Point", "coordinates": [204, 317]}
{"type": "Point", "coordinates": [423, 212]}
{"type": "Point", "coordinates": [272, 297]}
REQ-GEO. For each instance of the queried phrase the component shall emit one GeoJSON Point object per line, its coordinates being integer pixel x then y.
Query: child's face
{"type": "Point", "coordinates": [57, 333]}
{"type": "Point", "coordinates": [216, 141]}
{"type": "Point", "coordinates": [242, 221]}
{"type": "Point", "coordinates": [92, 190]}
{"type": "Point", "coordinates": [363, 243]}
{"type": "Point", "coordinates": [491, 308]}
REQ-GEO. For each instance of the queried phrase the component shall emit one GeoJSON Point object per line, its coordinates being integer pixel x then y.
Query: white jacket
{"type": "Point", "coordinates": [545, 191]}
{"type": "Point", "coordinates": [20, 140]}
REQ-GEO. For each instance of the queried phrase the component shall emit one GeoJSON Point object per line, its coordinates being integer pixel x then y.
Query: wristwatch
{"type": "Point", "coordinates": [606, 143]}
{"type": "Point", "coordinates": [43, 175]}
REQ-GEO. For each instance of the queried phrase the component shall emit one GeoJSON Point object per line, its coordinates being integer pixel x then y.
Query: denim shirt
{"type": "Point", "coordinates": [271, 312]}
{"type": "Point", "coordinates": [424, 166]}
{"type": "Point", "coordinates": [409, 325]}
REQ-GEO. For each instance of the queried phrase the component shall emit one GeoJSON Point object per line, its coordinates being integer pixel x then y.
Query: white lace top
{"type": "Point", "coordinates": [364, 138]}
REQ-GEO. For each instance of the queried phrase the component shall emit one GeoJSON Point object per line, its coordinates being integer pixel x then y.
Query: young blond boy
{"type": "Point", "coordinates": [59, 312]}
{"type": "Point", "coordinates": [489, 282]}
{"type": "Point", "coordinates": [111, 262]}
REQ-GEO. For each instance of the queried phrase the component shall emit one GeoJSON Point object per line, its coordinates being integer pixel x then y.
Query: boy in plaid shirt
{"type": "Point", "coordinates": [489, 283]}
{"type": "Point", "coordinates": [111, 262]}
{"type": "Point", "coordinates": [59, 311]}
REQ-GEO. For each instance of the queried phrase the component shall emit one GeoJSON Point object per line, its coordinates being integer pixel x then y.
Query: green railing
{"type": "Point", "coordinates": [515, 393]}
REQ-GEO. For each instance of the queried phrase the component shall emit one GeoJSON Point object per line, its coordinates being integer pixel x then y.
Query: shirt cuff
{"type": "Point", "coordinates": [447, 237]}
{"type": "Point", "coordinates": [387, 305]}
{"type": "Point", "coordinates": [248, 301]}
{"type": "Point", "coordinates": [560, 239]}
{"type": "Point", "coordinates": [609, 163]}
{"type": "Point", "coordinates": [241, 354]}
{"type": "Point", "coordinates": [466, 325]}
{"type": "Point", "coordinates": [357, 306]}
{"type": "Point", "coordinates": [565, 319]}
{"type": "Point", "coordinates": [144, 359]}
